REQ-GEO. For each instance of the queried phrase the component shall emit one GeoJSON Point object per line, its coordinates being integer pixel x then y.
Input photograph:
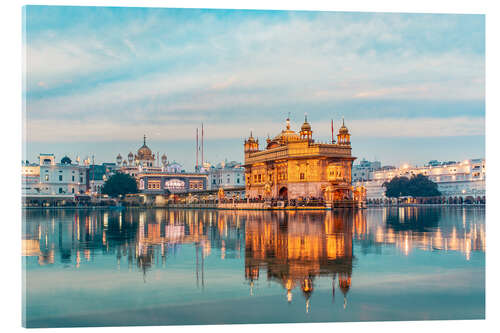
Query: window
{"type": "Point", "coordinates": [228, 180]}
{"type": "Point", "coordinates": [73, 190]}
{"type": "Point", "coordinates": [238, 180]}
{"type": "Point", "coordinates": [81, 179]}
{"type": "Point", "coordinates": [60, 178]}
{"type": "Point", "coordinates": [153, 184]}
{"type": "Point", "coordinates": [60, 190]}
{"type": "Point", "coordinates": [302, 176]}
{"type": "Point", "coordinates": [73, 178]}
{"type": "Point", "coordinates": [46, 177]}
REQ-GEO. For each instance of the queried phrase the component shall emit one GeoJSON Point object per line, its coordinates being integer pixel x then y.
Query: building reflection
{"type": "Point", "coordinates": [292, 249]}
{"type": "Point", "coordinates": [429, 229]}
{"type": "Point", "coordinates": [296, 248]}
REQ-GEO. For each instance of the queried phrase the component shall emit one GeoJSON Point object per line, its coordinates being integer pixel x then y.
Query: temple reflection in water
{"type": "Point", "coordinates": [295, 248]}
{"type": "Point", "coordinates": [292, 249]}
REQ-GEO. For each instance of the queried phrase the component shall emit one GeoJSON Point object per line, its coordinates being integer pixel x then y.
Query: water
{"type": "Point", "coordinates": [162, 267]}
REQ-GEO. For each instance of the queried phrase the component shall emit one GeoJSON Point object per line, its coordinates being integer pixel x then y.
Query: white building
{"type": "Point", "coordinates": [455, 180]}
{"type": "Point", "coordinates": [145, 161]}
{"type": "Point", "coordinates": [226, 175]}
{"type": "Point", "coordinates": [361, 171]}
{"type": "Point", "coordinates": [63, 178]}
{"type": "Point", "coordinates": [30, 174]}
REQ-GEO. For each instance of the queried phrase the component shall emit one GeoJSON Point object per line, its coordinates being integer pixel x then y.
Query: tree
{"type": "Point", "coordinates": [421, 186]}
{"type": "Point", "coordinates": [120, 184]}
{"type": "Point", "coordinates": [397, 187]}
{"type": "Point", "coordinates": [416, 186]}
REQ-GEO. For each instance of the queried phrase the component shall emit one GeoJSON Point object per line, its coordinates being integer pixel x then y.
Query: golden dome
{"type": "Point", "coordinates": [287, 135]}
{"type": "Point", "coordinates": [343, 129]}
{"type": "Point", "coordinates": [251, 138]}
{"type": "Point", "coordinates": [144, 153]}
{"type": "Point", "coordinates": [305, 126]}
{"type": "Point", "coordinates": [144, 150]}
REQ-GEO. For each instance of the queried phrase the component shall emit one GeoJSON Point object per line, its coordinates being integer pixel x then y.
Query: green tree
{"type": "Point", "coordinates": [120, 184]}
{"type": "Point", "coordinates": [416, 186]}
{"type": "Point", "coordinates": [396, 187]}
{"type": "Point", "coordinates": [421, 186]}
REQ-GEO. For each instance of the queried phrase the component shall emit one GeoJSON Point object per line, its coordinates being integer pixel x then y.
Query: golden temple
{"type": "Point", "coordinates": [294, 166]}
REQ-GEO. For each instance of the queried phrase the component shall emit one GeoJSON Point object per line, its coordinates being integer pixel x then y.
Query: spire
{"type": "Point", "coordinates": [343, 121]}
{"type": "Point", "coordinates": [288, 121]}
{"type": "Point", "coordinates": [305, 117]}
{"type": "Point", "coordinates": [144, 139]}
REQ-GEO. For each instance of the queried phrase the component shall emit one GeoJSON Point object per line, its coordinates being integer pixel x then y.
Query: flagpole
{"type": "Point", "coordinates": [196, 168]}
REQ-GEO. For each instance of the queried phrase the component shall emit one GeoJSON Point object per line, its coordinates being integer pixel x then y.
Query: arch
{"type": "Point", "coordinates": [460, 200]}
{"type": "Point", "coordinates": [469, 199]}
{"type": "Point", "coordinates": [283, 193]}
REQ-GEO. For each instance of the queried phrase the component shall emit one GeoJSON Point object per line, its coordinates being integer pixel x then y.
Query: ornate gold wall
{"type": "Point", "coordinates": [293, 166]}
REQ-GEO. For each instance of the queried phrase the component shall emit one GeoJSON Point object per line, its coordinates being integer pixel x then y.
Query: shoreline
{"type": "Point", "coordinates": [304, 208]}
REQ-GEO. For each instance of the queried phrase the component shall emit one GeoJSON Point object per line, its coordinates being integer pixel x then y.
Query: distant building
{"type": "Point", "coordinates": [98, 174]}
{"type": "Point", "coordinates": [226, 175]}
{"type": "Point", "coordinates": [154, 177]}
{"type": "Point", "coordinates": [30, 173]}
{"type": "Point", "coordinates": [361, 171]}
{"type": "Point", "coordinates": [455, 180]}
{"type": "Point", "coordinates": [64, 178]}
{"type": "Point", "coordinates": [143, 161]}
{"type": "Point", "coordinates": [171, 183]}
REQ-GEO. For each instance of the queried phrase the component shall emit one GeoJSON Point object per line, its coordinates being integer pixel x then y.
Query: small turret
{"type": "Point", "coordinates": [343, 138]}
{"type": "Point", "coordinates": [305, 130]}
{"type": "Point", "coordinates": [251, 144]}
{"type": "Point", "coordinates": [119, 160]}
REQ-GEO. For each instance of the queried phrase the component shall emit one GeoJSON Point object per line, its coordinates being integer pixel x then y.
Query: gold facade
{"type": "Point", "coordinates": [294, 166]}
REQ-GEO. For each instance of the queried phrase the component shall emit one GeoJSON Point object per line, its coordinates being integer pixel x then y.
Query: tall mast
{"type": "Point", "coordinates": [332, 132]}
{"type": "Point", "coordinates": [202, 146]}
{"type": "Point", "coordinates": [196, 149]}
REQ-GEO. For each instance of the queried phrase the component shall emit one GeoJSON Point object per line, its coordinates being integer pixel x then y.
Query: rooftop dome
{"type": "Point", "coordinates": [305, 126]}
{"type": "Point", "coordinates": [144, 153]}
{"type": "Point", "coordinates": [251, 138]}
{"type": "Point", "coordinates": [343, 129]}
{"type": "Point", "coordinates": [65, 160]}
{"type": "Point", "coordinates": [287, 135]}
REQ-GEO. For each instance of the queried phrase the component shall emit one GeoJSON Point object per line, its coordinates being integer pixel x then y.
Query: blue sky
{"type": "Point", "coordinates": [410, 86]}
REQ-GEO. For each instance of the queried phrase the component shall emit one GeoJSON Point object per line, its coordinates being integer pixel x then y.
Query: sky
{"type": "Point", "coordinates": [411, 87]}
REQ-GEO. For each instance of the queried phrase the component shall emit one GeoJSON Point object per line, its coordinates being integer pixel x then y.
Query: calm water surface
{"type": "Point", "coordinates": [162, 267]}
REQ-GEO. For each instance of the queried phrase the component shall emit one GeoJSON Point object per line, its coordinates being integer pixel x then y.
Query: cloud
{"type": "Point", "coordinates": [169, 130]}
{"type": "Point", "coordinates": [164, 71]}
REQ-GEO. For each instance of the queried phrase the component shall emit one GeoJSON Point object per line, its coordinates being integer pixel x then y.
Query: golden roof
{"type": "Point", "coordinates": [343, 129]}
{"type": "Point", "coordinates": [287, 135]}
{"type": "Point", "coordinates": [144, 152]}
{"type": "Point", "coordinates": [305, 126]}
